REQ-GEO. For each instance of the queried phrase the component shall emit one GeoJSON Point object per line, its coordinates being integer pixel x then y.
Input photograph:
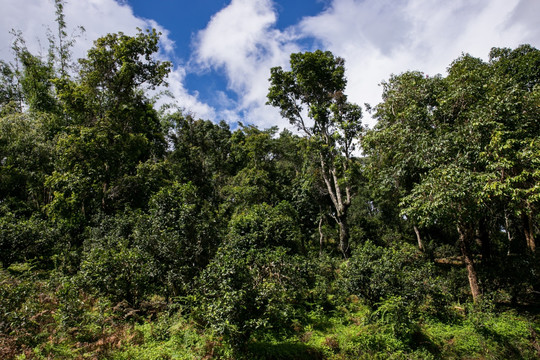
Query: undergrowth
{"type": "Point", "coordinates": [47, 317]}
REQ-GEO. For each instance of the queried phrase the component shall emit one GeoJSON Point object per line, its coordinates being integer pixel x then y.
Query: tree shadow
{"type": "Point", "coordinates": [282, 351]}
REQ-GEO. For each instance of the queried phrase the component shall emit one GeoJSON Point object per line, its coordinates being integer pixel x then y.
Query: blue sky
{"type": "Point", "coordinates": [222, 50]}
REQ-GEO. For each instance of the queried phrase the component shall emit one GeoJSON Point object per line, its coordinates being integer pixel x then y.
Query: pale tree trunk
{"type": "Point", "coordinates": [465, 236]}
{"type": "Point", "coordinates": [341, 204]}
{"type": "Point", "coordinates": [321, 236]}
{"type": "Point", "coordinates": [344, 236]}
{"type": "Point", "coordinates": [418, 238]}
{"type": "Point", "coordinates": [508, 233]}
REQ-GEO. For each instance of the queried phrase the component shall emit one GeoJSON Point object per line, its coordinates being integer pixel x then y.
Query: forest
{"type": "Point", "coordinates": [135, 231]}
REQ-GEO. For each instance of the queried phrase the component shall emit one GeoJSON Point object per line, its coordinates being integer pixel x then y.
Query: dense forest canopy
{"type": "Point", "coordinates": [125, 227]}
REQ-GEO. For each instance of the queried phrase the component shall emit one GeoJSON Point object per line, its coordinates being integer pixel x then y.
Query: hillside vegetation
{"type": "Point", "coordinates": [129, 231]}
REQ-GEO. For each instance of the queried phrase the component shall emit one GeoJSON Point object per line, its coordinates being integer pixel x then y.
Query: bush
{"type": "Point", "coordinates": [257, 291]}
{"type": "Point", "coordinates": [24, 239]}
{"type": "Point", "coordinates": [266, 226]}
{"type": "Point", "coordinates": [115, 269]}
{"type": "Point", "coordinates": [254, 283]}
{"type": "Point", "coordinates": [133, 255]}
{"type": "Point", "coordinates": [112, 265]}
{"type": "Point", "coordinates": [376, 273]}
{"type": "Point", "coordinates": [180, 234]}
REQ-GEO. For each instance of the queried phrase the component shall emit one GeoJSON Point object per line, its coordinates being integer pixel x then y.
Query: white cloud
{"type": "Point", "coordinates": [242, 41]}
{"type": "Point", "coordinates": [98, 17]}
{"type": "Point", "coordinates": [188, 102]}
{"type": "Point", "coordinates": [378, 38]}
{"type": "Point", "coordinates": [34, 17]}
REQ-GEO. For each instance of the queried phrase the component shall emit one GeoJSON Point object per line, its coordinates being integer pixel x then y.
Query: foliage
{"type": "Point", "coordinates": [27, 239]}
{"type": "Point", "coordinates": [316, 81]}
{"type": "Point", "coordinates": [248, 285]}
{"type": "Point", "coordinates": [128, 232]}
{"type": "Point", "coordinates": [398, 275]}
{"type": "Point", "coordinates": [113, 266]}
{"type": "Point", "coordinates": [180, 234]}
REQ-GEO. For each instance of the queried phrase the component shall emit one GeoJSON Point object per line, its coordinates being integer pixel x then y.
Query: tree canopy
{"type": "Point", "coordinates": [128, 231]}
{"type": "Point", "coordinates": [315, 84]}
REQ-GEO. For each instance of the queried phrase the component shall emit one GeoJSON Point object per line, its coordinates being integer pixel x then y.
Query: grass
{"type": "Point", "coordinates": [43, 318]}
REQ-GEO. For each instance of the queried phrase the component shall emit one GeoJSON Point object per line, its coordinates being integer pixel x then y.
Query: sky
{"type": "Point", "coordinates": [222, 50]}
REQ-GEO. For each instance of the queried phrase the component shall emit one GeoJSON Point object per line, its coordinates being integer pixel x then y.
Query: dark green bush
{"type": "Point", "coordinates": [180, 234]}
{"type": "Point", "coordinates": [266, 226]}
{"type": "Point", "coordinates": [114, 268]}
{"type": "Point", "coordinates": [241, 293]}
{"type": "Point", "coordinates": [133, 255]}
{"type": "Point", "coordinates": [375, 273]}
{"type": "Point", "coordinates": [254, 283]}
{"type": "Point", "coordinates": [23, 239]}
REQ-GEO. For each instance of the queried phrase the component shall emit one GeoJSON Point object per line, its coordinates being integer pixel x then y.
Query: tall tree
{"type": "Point", "coordinates": [114, 126]}
{"type": "Point", "coordinates": [462, 145]}
{"type": "Point", "coordinates": [513, 152]}
{"type": "Point", "coordinates": [429, 139]}
{"type": "Point", "coordinates": [311, 97]}
{"type": "Point", "coordinates": [395, 147]}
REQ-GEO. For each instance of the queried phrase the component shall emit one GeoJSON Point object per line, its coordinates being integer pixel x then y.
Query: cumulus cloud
{"type": "Point", "coordinates": [242, 41]}
{"type": "Point", "coordinates": [98, 18]}
{"type": "Point", "coordinates": [187, 101]}
{"type": "Point", "coordinates": [378, 38]}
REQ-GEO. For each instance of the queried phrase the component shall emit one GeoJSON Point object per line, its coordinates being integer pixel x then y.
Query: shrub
{"type": "Point", "coordinates": [253, 283]}
{"type": "Point", "coordinates": [180, 234]}
{"type": "Point", "coordinates": [265, 226]}
{"type": "Point", "coordinates": [112, 265]}
{"type": "Point", "coordinates": [241, 293]}
{"type": "Point", "coordinates": [376, 273]}
{"type": "Point", "coordinates": [24, 239]}
{"type": "Point", "coordinates": [114, 268]}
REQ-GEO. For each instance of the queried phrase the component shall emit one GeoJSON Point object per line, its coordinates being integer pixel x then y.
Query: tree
{"type": "Point", "coordinates": [26, 160]}
{"type": "Point", "coordinates": [513, 151]}
{"type": "Point", "coordinates": [429, 140]}
{"type": "Point", "coordinates": [10, 94]}
{"type": "Point", "coordinates": [34, 79]}
{"type": "Point", "coordinates": [314, 88]}
{"type": "Point", "coordinates": [463, 148]}
{"type": "Point", "coordinates": [113, 124]}
{"type": "Point", "coordinates": [396, 147]}
{"type": "Point", "coordinates": [60, 45]}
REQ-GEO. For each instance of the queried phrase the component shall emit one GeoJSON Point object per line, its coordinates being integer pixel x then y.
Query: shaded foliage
{"type": "Point", "coordinates": [128, 232]}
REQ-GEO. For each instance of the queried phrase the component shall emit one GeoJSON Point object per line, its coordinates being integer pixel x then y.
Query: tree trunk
{"type": "Point", "coordinates": [508, 233]}
{"type": "Point", "coordinates": [418, 238]}
{"type": "Point", "coordinates": [340, 205]}
{"type": "Point", "coordinates": [343, 235]}
{"type": "Point", "coordinates": [482, 239]}
{"type": "Point", "coordinates": [464, 238]}
{"type": "Point", "coordinates": [528, 229]}
{"type": "Point", "coordinates": [321, 236]}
